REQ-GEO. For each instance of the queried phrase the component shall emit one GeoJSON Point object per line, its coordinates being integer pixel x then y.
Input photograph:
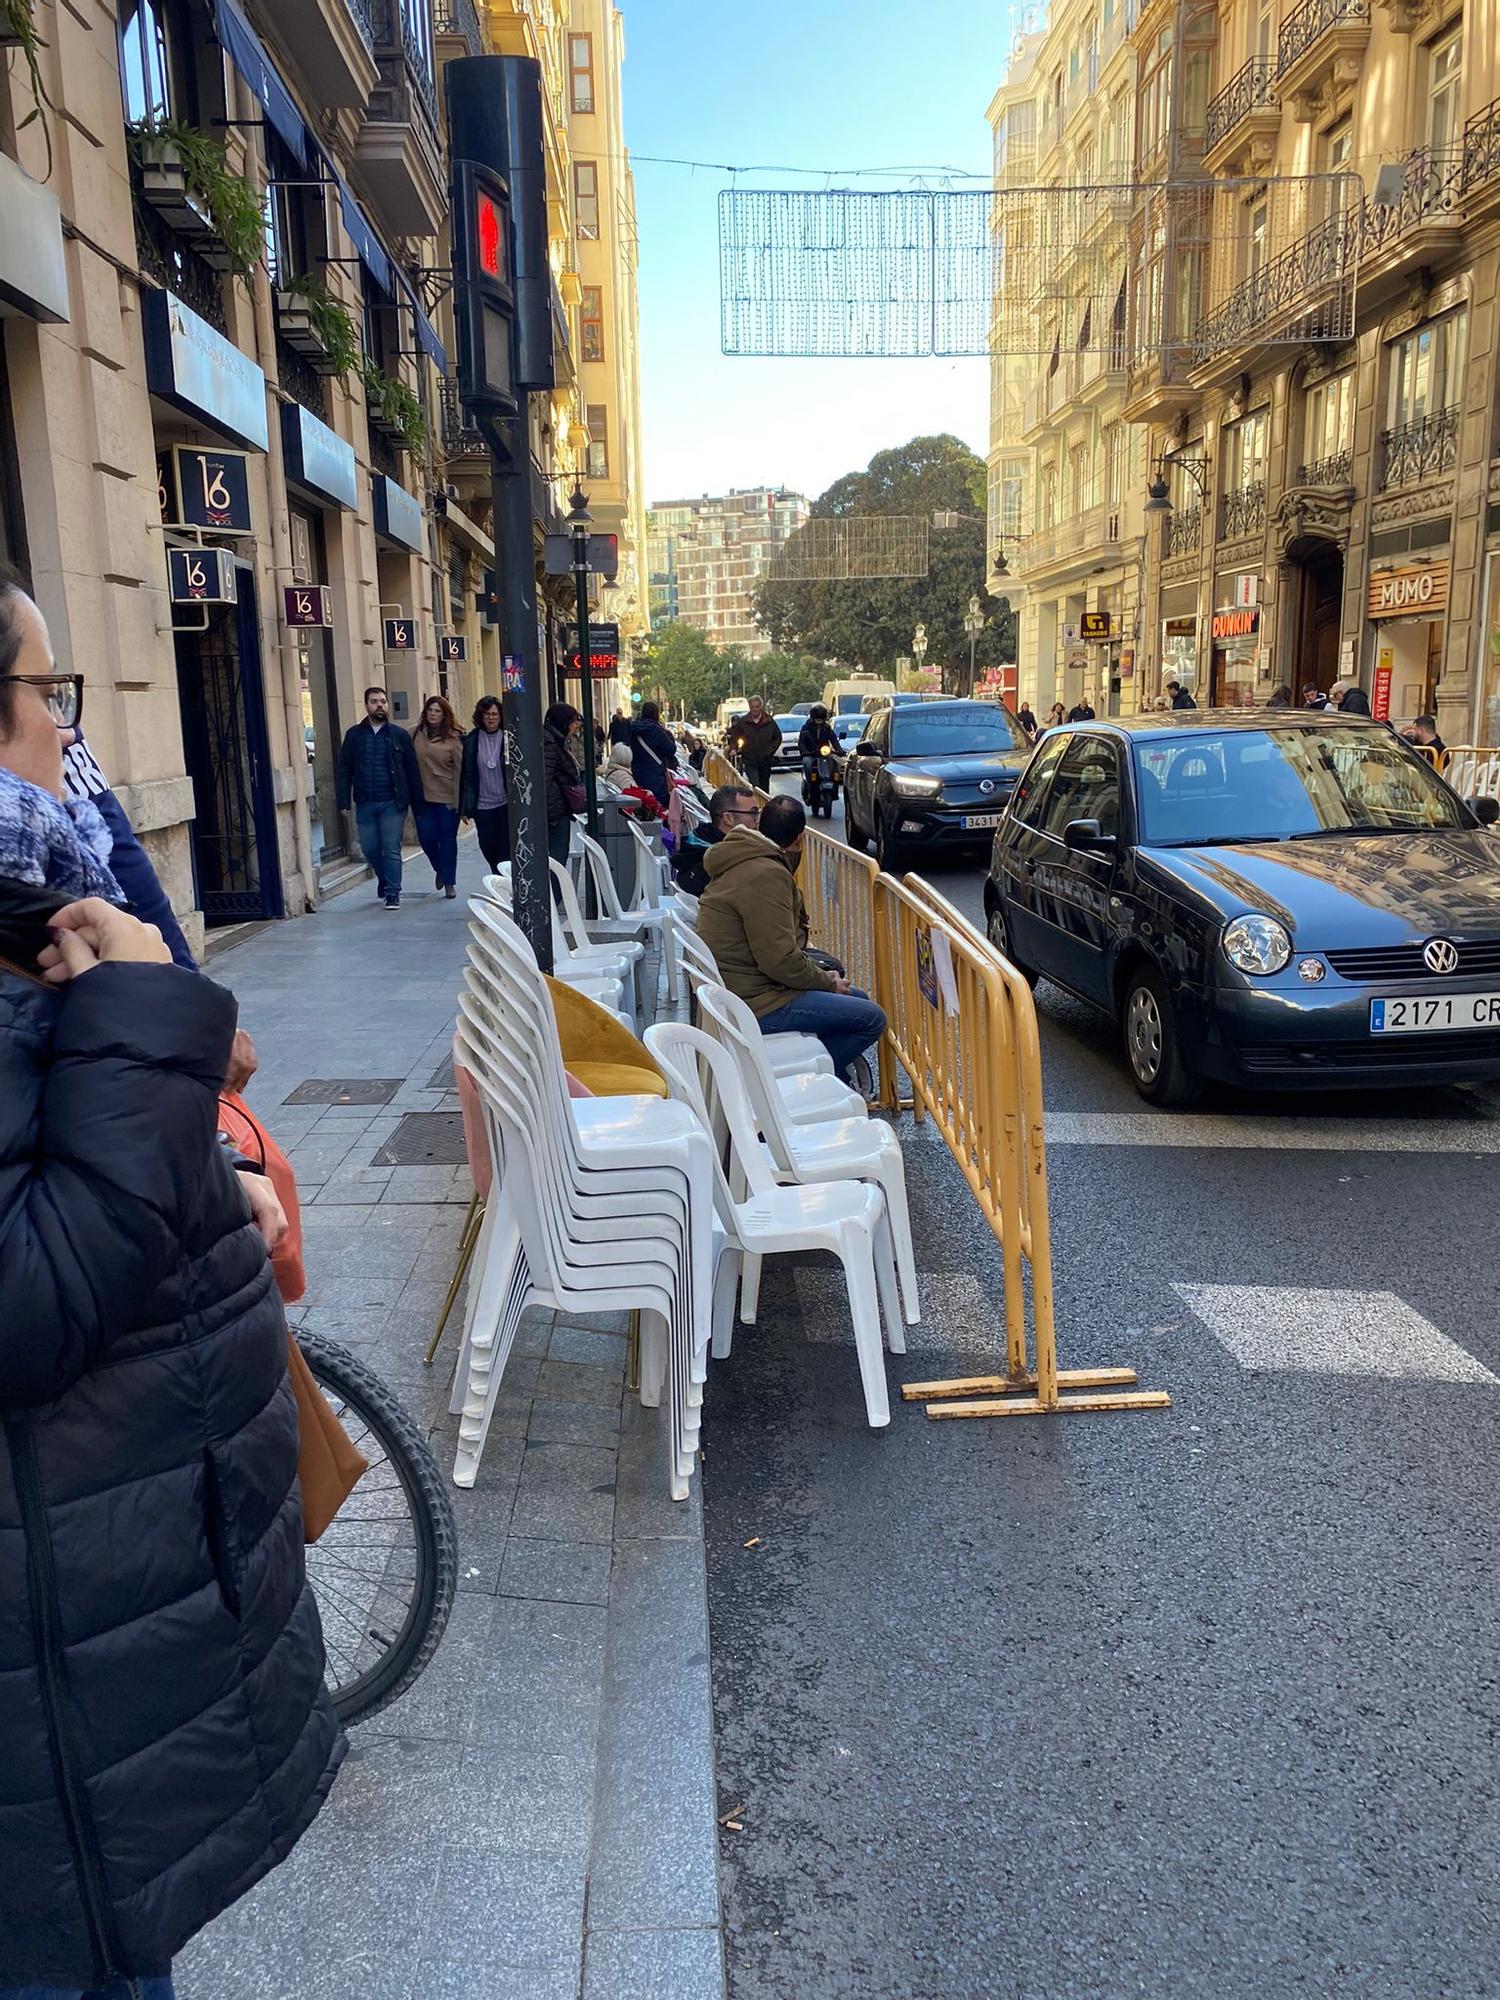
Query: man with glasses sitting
{"type": "Point", "coordinates": [730, 806]}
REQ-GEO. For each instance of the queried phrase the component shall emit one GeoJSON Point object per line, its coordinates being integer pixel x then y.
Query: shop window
{"type": "Point", "coordinates": [592, 323]}
{"type": "Point", "coordinates": [1426, 369]}
{"type": "Point", "coordinates": [586, 200]}
{"type": "Point", "coordinates": [581, 72]}
{"type": "Point", "coordinates": [598, 421]}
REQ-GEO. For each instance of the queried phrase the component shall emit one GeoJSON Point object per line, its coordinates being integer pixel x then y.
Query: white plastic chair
{"type": "Point", "coordinates": [846, 1217]}
{"type": "Point", "coordinates": [653, 873]}
{"type": "Point", "coordinates": [862, 1149]}
{"type": "Point", "coordinates": [583, 937]}
{"type": "Point", "coordinates": [614, 970]}
{"type": "Point", "coordinates": [614, 920]}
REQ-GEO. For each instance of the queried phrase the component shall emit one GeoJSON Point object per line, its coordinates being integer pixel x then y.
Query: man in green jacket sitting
{"type": "Point", "coordinates": [753, 920]}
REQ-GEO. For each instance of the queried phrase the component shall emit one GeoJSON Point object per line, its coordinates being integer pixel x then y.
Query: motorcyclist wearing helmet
{"type": "Point", "coordinates": [816, 739]}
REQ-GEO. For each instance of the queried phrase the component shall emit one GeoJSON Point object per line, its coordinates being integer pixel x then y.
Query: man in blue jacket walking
{"type": "Point", "coordinates": [378, 775]}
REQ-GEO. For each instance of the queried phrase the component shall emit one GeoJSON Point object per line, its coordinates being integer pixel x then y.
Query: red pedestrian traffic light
{"type": "Point", "coordinates": [490, 231]}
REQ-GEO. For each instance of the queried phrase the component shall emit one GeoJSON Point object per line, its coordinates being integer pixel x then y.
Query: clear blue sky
{"type": "Point", "coordinates": [814, 83]}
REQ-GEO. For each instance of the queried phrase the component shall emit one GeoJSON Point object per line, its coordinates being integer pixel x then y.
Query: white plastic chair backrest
{"type": "Point", "coordinates": [686, 1055]}
{"type": "Point", "coordinates": [694, 953]}
{"type": "Point", "coordinates": [573, 919]}
{"type": "Point", "coordinates": [602, 876]}
{"type": "Point", "coordinates": [648, 867]}
{"type": "Point", "coordinates": [735, 1027]}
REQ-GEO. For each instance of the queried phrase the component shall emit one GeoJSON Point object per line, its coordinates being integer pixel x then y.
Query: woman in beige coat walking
{"type": "Point", "coordinates": [439, 744]}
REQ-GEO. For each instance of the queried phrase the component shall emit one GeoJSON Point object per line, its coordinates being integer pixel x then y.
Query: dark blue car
{"type": "Point", "coordinates": [1269, 899]}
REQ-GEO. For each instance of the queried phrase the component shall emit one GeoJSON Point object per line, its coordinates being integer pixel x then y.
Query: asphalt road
{"type": "Point", "coordinates": [1199, 1702]}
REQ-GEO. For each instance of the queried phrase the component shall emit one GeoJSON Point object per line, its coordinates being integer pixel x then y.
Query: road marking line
{"type": "Point", "coordinates": [1276, 1329]}
{"type": "Point", "coordinates": [1331, 1135]}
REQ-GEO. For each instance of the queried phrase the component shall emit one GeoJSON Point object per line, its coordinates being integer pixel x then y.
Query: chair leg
{"type": "Point", "coordinates": [890, 1291]}
{"type": "Point", "coordinates": [894, 1184]}
{"type": "Point", "coordinates": [486, 1372]}
{"type": "Point", "coordinates": [473, 1223]}
{"type": "Point", "coordinates": [669, 953]}
{"type": "Point", "coordinates": [726, 1278]}
{"type": "Point", "coordinates": [750, 1288]}
{"type": "Point", "coordinates": [653, 1358]}
{"type": "Point", "coordinates": [497, 1253]}
{"type": "Point", "coordinates": [857, 1255]}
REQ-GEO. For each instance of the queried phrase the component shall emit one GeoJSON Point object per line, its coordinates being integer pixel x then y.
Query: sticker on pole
{"type": "Point", "coordinates": [927, 976]}
{"type": "Point", "coordinates": [513, 673]}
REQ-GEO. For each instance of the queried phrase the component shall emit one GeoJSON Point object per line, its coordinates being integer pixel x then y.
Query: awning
{"type": "Point", "coordinates": [427, 337]}
{"type": "Point", "coordinates": [371, 253]}
{"type": "Point", "coordinates": [247, 52]}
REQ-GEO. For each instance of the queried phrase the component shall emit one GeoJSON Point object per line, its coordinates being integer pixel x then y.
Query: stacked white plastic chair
{"type": "Point", "coordinates": [605, 976]}
{"type": "Point", "coordinates": [653, 872]}
{"type": "Point", "coordinates": [788, 1054]}
{"type": "Point", "coordinates": [614, 925]}
{"type": "Point", "coordinates": [599, 1205]}
{"type": "Point", "coordinates": [862, 1148]}
{"type": "Point", "coordinates": [847, 1217]}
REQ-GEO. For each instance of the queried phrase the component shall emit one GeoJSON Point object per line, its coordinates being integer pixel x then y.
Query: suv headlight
{"type": "Point", "coordinates": [1257, 944]}
{"type": "Point", "coordinates": [911, 786]}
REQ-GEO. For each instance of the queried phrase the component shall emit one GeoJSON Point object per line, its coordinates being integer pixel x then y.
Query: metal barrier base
{"type": "Point", "coordinates": [1025, 1400]}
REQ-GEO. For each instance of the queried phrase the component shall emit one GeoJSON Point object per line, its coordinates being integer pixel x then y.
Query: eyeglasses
{"type": "Point", "coordinates": [63, 694]}
{"type": "Point", "coordinates": [743, 812]}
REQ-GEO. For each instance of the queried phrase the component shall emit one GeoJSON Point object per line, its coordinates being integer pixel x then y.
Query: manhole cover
{"type": "Point", "coordinates": [442, 1076]}
{"type": "Point", "coordinates": [425, 1139]}
{"type": "Point", "coordinates": [345, 1090]}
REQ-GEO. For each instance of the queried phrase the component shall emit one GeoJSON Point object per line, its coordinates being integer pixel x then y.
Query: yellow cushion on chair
{"type": "Point", "coordinates": [602, 1053]}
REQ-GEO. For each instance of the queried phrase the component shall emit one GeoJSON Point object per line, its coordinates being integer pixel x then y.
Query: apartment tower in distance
{"type": "Point", "coordinates": [708, 556]}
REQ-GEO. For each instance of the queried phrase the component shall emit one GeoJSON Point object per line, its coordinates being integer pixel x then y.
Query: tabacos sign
{"type": "Point", "coordinates": [1420, 591]}
{"type": "Point", "coordinates": [1239, 623]}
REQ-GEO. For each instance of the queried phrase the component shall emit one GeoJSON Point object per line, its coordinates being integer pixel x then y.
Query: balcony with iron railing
{"type": "Point", "coordinates": [398, 155]}
{"type": "Point", "coordinates": [1482, 154]}
{"type": "Point", "coordinates": [1095, 532]}
{"type": "Point", "coordinates": [1305, 286]}
{"type": "Point", "coordinates": [1242, 512]}
{"type": "Point", "coordinates": [1412, 453]}
{"type": "Point", "coordinates": [1336, 469]}
{"type": "Point", "coordinates": [1313, 36]}
{"type": "Point", "coordinates": [1398, 232]}
{"type": "Point", "coordinates": [1250, 93]}
{"type": "Point", "coordinates": [458, 21]}
{"type": "Point", "coordinates": [461, 436]}
{"type": "Point", "coordinates": [1184, 532]}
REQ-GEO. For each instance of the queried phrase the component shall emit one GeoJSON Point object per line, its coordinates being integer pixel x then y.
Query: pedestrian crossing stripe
{"type": "Point", "coordinates": [1274, 1134]}
{"type": "Point", "coordinates": [1286, 1329]}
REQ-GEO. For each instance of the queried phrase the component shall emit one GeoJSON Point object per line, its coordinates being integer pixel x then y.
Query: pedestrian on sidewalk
{"type": "Point", "coordinates": [1027, 720]}
{"type": "Point", "coordinates": [1349, 698]}
{"type": "Point", "coordinates": [1281, 697]}
{"type": "Point", "coordinates": [377, 772]}
{"type": "Point", "coordinates": [562, 747]}
{"type": "Point", "coordinates": [754, 739]}
{"type": "Point", "coordinates": [1179, 696]}
{"type": "Point", "coordinates": [1313, 696]}
{"type": "Point", "coordinates": [482, 796]}
{"type": "Point", "coordinates": [128, 861]}
{"type": "Point", "coordinates": [653, 753]}
{"type": "Point", "coordinates": [753, 920]}
{"type": "Point", "coordinates": [619, 727]}
{"type": "Point", "coordinates": [165, 1736]}
{"type": "Point", "coordinates": [1081, 711]}
{"type": "Point", "coordinates": [1056, 716]}
{"type": "Point", "coordinates": [439, 744]}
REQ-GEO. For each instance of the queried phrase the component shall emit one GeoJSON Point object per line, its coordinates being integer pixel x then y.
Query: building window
{"type": "Point", "coordinates": [1256, 236]}
{"type": "Point", "coordinates": [1262, 23]}
{"type": "Point", "coordinates": [146, 63]}
{"type": "Point", "coordinates": [598, 467]}
{"type": "Point", "coordinates": [1081, 476]}
{"type": "Point", "coordinates": [1156, 94]}
{"type": "Point", "coordinates": [586, 200]}
{"type": "Point", "coordinates": [1338, 157]}
{"type": "Point", "coordinates": [416, 20]}
{"type": "Point", "coordinates": [1329, 429]}
{"type": "Point", "coordinates": [592, 322]}
{"type": "Point", "coordinates": [1445, 94]}
{"type": "Point", "coordinates": [290, 222]}
{"type": "Point", "coordinates": [1426, 369]}
{"type": "Point", "coordinates": [1245, 453]}
{"type": "Point", "coordinates": [581, 72]}
{"type": "Point", "coordinates": [1114, 465]}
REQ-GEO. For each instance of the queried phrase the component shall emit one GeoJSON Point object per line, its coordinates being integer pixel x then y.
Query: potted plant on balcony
{"type": "Point", "coordinates": [394, 409]}
{"type": "Point", "coordinates": [186, 178]}
{"type": "Point", "coordinates": [313, 323]}
{"type": "Point", "coordinates": [18, 30]}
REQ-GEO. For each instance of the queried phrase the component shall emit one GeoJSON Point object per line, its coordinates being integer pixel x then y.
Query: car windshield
{"type": "Point", "coordinates": [954, 729]}
{"type": "Point", "coordinates": [790, 724]}
{"type": "Point", "coordinates": [1285, 784]}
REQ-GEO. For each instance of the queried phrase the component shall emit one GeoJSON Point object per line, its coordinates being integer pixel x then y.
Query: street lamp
{"type": "Point", "coordinates": [919, 647]}
{"type": "Point", "coordinates": [579, 522]}
{"type": "Point", "coordinates": [973, 626]}
{"type": "Point", "coordinates": [1159, 491]}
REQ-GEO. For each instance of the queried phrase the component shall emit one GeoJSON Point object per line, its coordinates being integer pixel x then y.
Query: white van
{"type": "Point", "coordinates": [854, 695]}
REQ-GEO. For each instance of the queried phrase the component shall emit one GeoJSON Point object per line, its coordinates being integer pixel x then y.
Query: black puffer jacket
{"type": "Point", "coordinates": [164, 1734]}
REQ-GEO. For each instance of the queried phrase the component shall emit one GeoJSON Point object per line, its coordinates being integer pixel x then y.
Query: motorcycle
{"type": "Point", "coordinates": [820, 784]}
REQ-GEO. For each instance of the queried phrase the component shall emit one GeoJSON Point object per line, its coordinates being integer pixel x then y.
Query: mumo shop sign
{"type": "Point", "coordinates": [1418, 592]}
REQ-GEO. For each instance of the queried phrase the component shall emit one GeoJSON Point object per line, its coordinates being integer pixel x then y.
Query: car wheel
{"type": "Point", "coordinates": [854, 833]}
{"type": "Point", "coordinates": [887, 853]}
{"type": "Point", "coordinates": [999, 936]}
{"type": "Point", "coordinates": [1151, 1046]}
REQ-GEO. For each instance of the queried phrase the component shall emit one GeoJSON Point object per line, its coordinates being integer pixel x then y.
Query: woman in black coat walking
{"type": "Point", "coordinates": [562, 740]}
{"type": "Point", "coordinates": [164, 1732]}
{"type": "Point", "coordinates": [653, 752]}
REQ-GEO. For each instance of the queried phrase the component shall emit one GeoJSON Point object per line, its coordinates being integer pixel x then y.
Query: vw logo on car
{"type": "Point", "coordinates": [1438, 955]}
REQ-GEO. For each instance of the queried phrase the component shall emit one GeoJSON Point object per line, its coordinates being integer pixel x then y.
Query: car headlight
{"type": "Point", "coordinates": [1257, 944]}
{"type": "Point", "coordinates": [910, 786]}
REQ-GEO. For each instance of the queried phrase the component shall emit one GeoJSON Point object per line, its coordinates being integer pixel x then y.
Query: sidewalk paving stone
{"type": "Point", "coordinates": [650, 1965]}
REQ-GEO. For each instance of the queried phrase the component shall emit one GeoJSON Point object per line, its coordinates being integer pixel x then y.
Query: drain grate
{"type": "Point", "coordinates": [345, 1090]}
{"type": "Point", "coordinates": [425, 1139]}
{"type": "Point", "coordinates": [442, 1076]}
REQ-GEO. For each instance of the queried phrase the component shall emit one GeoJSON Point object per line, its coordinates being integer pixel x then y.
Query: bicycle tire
{"type": "Point", "coordinates": [380, 1414]}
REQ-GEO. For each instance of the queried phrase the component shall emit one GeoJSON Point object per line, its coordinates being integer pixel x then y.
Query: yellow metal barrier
{"type": "Point", "coordinates": [962, 1024]}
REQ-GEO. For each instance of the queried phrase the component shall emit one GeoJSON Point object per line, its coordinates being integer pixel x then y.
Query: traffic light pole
{"type": "Point", "coordinates": [521, 679]}
{"type": "Point", "coordinates": [580, 524]}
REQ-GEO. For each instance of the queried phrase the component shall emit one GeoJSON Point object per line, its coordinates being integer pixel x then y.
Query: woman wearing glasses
{"type": "Point", "coordinates": [164, 1734]}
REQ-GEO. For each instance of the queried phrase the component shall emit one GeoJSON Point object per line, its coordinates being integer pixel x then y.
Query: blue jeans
{"type": "Point", "coordinates": [437, 829]}
{"type": "Point", "coordinates": [118, 1989]}
{"type": "Point", "coordinates": [380, 843]}
{"type": "Point", "coordinates": [845, 1023]}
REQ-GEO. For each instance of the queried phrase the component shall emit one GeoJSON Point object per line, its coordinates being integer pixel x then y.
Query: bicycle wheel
{"type": "Point", "coordinates": [385, 1570]}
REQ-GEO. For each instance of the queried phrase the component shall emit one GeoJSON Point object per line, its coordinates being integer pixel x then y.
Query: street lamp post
{"type": "Point", "coordinates": [579, 520]}
{"type": "Point", "coordinates": [919, 647]}
{"type": "Point", "coordinates": [973, 626]}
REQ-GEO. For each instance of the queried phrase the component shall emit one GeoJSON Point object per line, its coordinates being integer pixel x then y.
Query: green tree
{"type": "Point", "coordinates": [869, 623]}
{"type": "Point", "coordinates": [689, 672]}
